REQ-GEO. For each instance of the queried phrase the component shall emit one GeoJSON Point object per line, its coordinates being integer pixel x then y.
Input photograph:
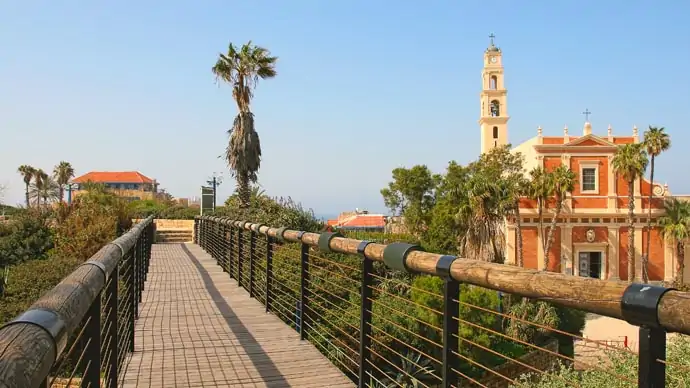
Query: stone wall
{"type": "Point", "coordinates": [162, 224]}
{"type": "Point", "coordinates": [538, 359]}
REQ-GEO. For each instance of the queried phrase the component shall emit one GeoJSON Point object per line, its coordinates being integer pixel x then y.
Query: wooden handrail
{"type": "Point", "coordinates": [587, 294]}
{"type": "Point", "coordinates": [30, 345]}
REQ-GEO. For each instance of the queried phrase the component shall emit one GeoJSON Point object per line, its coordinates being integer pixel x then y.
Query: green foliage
{"type": "Point", "coordinates": [26, 236]}
{"type": "Point", "coordinates": [412, 195]}
{"type": "Point", "coordinates": [614, 364]}
{"type": "Point", "coordinates": [271, 211]}
{"type": "Point", "coordinates": [8, 210]}
{"type": "Point", "coordinates": [162, 209]}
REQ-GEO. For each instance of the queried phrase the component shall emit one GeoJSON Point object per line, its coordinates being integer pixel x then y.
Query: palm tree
{"type": "Point", "coordinates": [563, 182]}
{"type": "Point", "coordinates": [675, 225]}
{"type": "Point", "coordinates": [62, 173]}
{"type": "Point", "coordinates": [630, 162]}
{"type": "Point", "coordinates": [27, 173]}
{"type": "Point", "coordinates": [44, 188]}
{"type": "Point", "coordinates": [656, 141]}
{"type": "Point", "coordinates": [39, 177]}
{"type": "Point", "coordinates": [242, 69]}
{"type": "Point", "coordinates": [541, 189]}
{"type": "Point", "coordinates": [511, 190]}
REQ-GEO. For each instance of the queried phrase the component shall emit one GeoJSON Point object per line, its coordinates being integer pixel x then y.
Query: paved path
{"type": "Point", "coordinates": [196, 328]}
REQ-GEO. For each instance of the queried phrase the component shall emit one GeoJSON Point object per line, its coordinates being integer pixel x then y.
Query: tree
{"type": "Point", "coordinates": [675, 225]}
{"type": "Point", "coordinates": [630, 162]}
{"type": "Point", "coordinates": [540, 189]}
{"type": "Point", "coordinates": [242, 68]}
{"type": "Point", "coordinates": [656, 141]}
{"type": "Point", "coordinates": [62, 173]}
{"type": "Point", "coordinates": [563, 182]}
{"type": "Point", "coordinates": [27, 172]}
{"type": "Point", "coordinates": [411, 194]}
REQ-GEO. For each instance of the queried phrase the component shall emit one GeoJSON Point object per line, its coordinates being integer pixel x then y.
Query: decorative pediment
{"type": "Point", "coordinates": [589, 141]}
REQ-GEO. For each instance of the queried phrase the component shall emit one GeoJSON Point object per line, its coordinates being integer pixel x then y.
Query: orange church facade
{"type": "Point", "coordinates": [592, 234]}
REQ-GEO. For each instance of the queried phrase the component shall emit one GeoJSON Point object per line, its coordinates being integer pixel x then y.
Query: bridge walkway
{"type": "Point", "coordinates": [197, 328]}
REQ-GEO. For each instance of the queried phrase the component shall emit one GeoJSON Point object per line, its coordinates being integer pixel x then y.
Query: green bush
{"type": "Point", "coordinates": [276, 212]}
{"type": "Point", "coordinates": [26, 236]}
{"type": "Point", "coordinates": [614, 364]}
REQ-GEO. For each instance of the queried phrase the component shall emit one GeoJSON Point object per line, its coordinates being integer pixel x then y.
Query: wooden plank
{"type": "Point", "coordinates": [198, 328]}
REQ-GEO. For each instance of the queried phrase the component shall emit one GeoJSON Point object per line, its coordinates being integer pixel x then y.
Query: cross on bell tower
{"type": "Point", "coordinates": [493, 118]}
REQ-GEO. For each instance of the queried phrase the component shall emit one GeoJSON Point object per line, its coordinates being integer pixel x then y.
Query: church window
{"type": "Point", "coordinates": [493, 83]}
{"type": "Point", "coordinates": [495, 108]}
{"type": "Point", "coordinates": [495, 132]}
{"type": "Point", "coordinates": [589, 174]}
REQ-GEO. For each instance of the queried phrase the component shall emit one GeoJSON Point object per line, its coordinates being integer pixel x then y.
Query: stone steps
{"type": "Point", "coordinates": [174, 235]}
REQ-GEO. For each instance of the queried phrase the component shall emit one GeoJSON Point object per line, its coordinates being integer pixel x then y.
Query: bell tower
{"type": "Point", "coordinates": [493, 119]}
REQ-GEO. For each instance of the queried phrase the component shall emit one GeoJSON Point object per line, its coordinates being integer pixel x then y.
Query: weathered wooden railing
{"type": "Point", "coordinates": [84, 327]}
{"type": "Point", "coordinates": [240, 251]}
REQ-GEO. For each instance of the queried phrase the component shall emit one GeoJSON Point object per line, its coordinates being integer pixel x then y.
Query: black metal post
{"type": "Point", "coordinates": [223, 246]}
{"type": "Point", "coordinates": [365, 316]}
{"type": "Point", "coordinates": [652, 347]}
{"type": "Point", "coordinates": [639, 306]}
{"type": "Point", "coordinates": [231, 251]}
{"type": "Point", "coordinates": [132, 298]}
{"type": "Point", "coordinates": [112, 325]}
{"type": "Point", "coordinates": [239, 256]}
{"type": "Point", "coordinates": [304, 280]}
{"type": "Point", "coordinates": [92, 331]}
{"type": "Point", "coordinates": [451, 325]}
{"type": "Point", "coordinates": [269, 271]}
{"type": "Point", "coordinates": [196, 231]}
{"type": "Point", "coordinates": [252, 247]}
{"type": "Point", "coordinates": [141, 244]}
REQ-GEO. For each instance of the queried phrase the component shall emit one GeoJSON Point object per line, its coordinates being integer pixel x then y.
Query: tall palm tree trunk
{"type": "Point", "coordinates": [680, 263]}
{"type": "Point", "coordinates": [645, 257]}
{"type": "Point", "coordinates": [26, 195]}
{"type": "Point", "coordinates": [549, 237]}
{"type": "Point", "coordinates": [243, 190]}
{"type": "Point", "coordinates": [61, 193]}
{"type": "Point", "coordinates": [518, 224]}
{"type": "Point", "coordinates": [631, 231]}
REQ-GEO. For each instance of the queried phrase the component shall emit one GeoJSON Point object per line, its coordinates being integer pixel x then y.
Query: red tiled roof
{"type": "Point", "coordinates": [365, 221]}
{"type": "Point", "coordinates": [113, 177]}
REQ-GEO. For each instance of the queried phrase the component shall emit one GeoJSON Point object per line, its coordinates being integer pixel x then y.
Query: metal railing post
{"type": "Point", "coordinates": [112, 344]}
{"type": "Point", "coordinates": [639, 306]}
{"type": "Point", "coordinates": [196, 231]}
{"type": "Point", "coordinates": [92, 331]}
{"type": "Point", "coordinates": [365, 316]}
{"type": "Point", "coordinates": [252, 247]}
{"type": "Point", "coordinates": [269, 270]}
{"type": "Point", "coordinates": [304, 280]}
{"type": "Point", "coordinates": [451, 325]}
{"type": "Point", "coordinates": [224, 245]}
{"type": "Point", "coordinates": [131, 295]}
{"type": "Point", "coordinates": [239, 255]}
{"type": "Point", "coordinates": [231, 250]}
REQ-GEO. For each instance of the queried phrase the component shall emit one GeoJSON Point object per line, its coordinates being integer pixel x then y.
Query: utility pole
{"type": "Point", "coordinates": [215, 181]}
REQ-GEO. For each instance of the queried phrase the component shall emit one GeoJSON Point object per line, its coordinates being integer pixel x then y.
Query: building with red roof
{"type": "Point", "coordinates": [132, 185]}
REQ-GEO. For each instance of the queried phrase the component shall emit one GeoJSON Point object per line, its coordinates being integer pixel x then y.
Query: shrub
{"type": "Point", "coordinates": [618, 363]}
{"type": "Point", "coordinates": [25, 237]}
{"type": "Point", "coordinates": [276, 212]}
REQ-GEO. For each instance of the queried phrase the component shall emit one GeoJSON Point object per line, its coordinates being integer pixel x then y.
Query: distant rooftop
{"type": "Point", "coordinates": [113, 177]}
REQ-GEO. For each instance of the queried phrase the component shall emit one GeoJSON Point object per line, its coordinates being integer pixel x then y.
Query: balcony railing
{"type": "Point", "coordinates": [82, 330]}
{"type": "Point", "coordinates": [296, 275]}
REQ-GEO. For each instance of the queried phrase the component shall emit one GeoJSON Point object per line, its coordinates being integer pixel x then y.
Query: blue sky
{"type": "Point", "coordinates": [363, 86]}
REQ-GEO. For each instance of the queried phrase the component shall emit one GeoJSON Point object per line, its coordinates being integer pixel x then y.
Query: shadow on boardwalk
{"type": "Point", "coordinates": [197, 328]}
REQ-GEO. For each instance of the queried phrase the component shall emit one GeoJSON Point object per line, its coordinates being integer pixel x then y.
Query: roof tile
{"type": "Point", "coordinates": [113, 177]}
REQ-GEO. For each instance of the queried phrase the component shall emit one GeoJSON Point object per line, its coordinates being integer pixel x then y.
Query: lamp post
{"type": "Point", "coordinates": [68, 188]}
{"type": "Point", "coordinates": [215, 181]}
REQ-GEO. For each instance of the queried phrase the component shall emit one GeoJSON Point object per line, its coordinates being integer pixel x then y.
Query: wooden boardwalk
{"type": "Point", "coordinates": [197, 328]}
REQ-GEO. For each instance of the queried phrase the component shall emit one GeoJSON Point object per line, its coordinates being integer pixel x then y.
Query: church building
{"type": "Point", "coordinates": [592, 234]}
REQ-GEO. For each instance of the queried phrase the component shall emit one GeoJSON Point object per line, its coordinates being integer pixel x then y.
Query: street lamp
{"type": "Point", "coordinates": [68, 188]}
{"type": "Point", "coordinates": [215, 181]}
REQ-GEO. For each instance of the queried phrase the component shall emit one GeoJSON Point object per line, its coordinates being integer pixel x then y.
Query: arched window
{"type": "Point", "coordinates": [493, 83]}
{"type": "Point", "coordinates": [495, 132]}
{"type": "Point", "coordinates": [495, 108]}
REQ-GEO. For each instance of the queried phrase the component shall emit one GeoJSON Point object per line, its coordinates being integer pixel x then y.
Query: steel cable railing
{"type": "Point", "coordinates": [393, 315]}
{"type": "Point", "coordinates": [82, 330]}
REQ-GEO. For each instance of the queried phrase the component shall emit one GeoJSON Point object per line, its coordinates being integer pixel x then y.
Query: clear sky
{"type": "Point", "coordinates": [362, 87]}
